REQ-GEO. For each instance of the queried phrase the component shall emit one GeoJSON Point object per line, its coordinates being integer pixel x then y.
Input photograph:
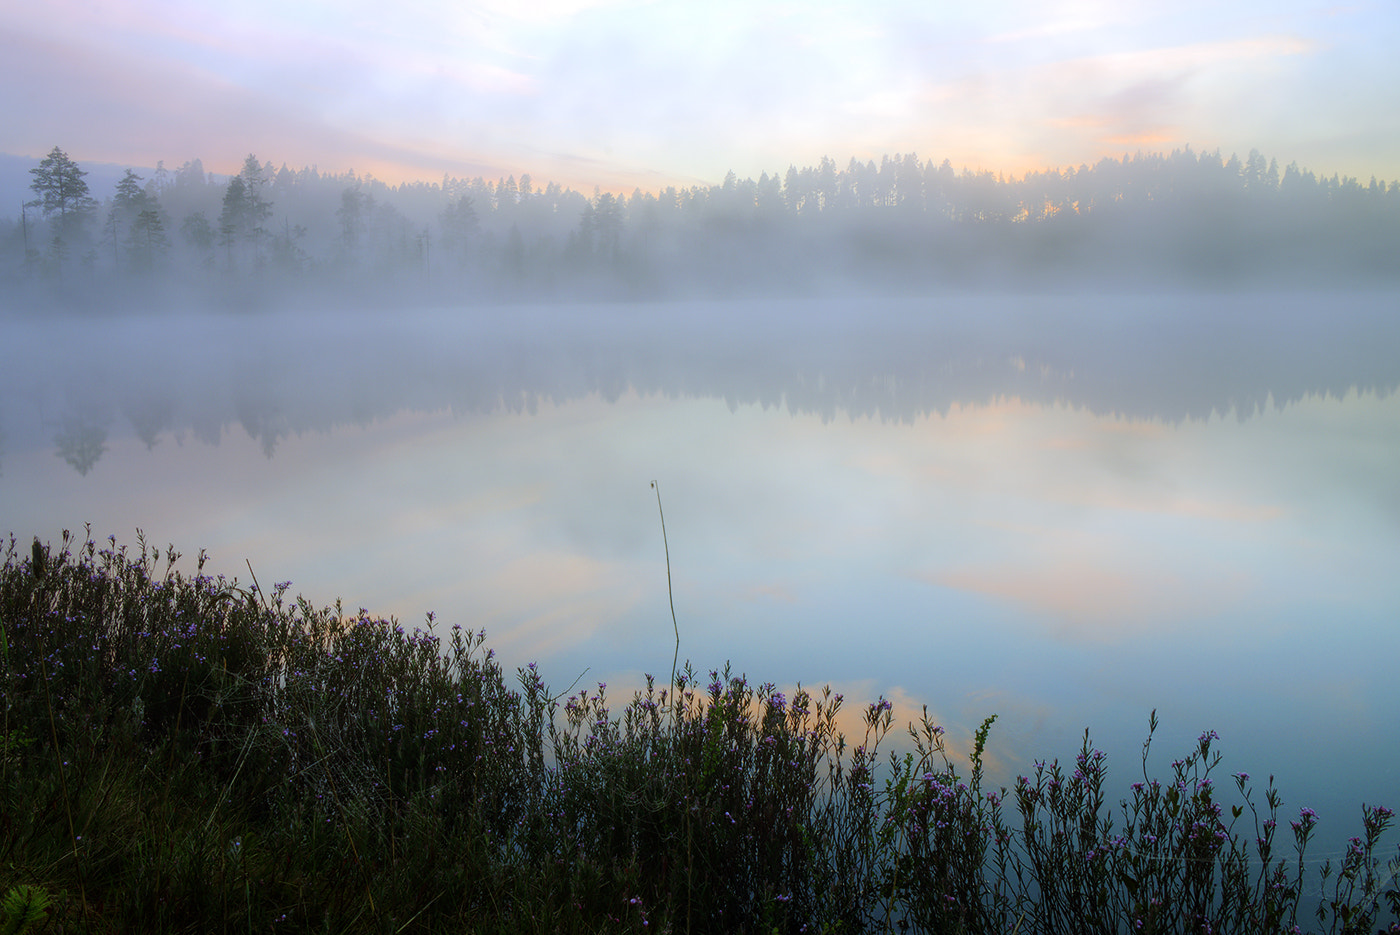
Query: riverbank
{"type": "Point", "coordinates": [187, 753]}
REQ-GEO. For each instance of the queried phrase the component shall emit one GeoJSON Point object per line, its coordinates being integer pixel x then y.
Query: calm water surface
{"type": "Point", "coordinates": [1064, 511]}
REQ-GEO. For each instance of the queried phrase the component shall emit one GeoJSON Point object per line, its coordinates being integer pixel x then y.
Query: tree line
{"type": "Point", "coordinates": [904, 224]}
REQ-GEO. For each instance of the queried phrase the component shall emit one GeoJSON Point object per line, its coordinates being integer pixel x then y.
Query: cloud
{"type": "Point", "coordinates": [1149, 97]}
{"type": "Point", "coordinates": [1145, 63]}
{"type": "Point", "coordinates": [571, 596]}
{"type": "Point", "coordinates": [624, 92]}
{"type": "Point", "coordinates": [1086, 602]}
{"type": "Point", "coordinates": [131, 110]}
{"type": "Point", "coordinates": [549, 11]}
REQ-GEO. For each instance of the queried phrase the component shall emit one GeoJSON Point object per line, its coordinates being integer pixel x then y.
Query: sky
{"type": "Point", "coordinates": [629, 93]}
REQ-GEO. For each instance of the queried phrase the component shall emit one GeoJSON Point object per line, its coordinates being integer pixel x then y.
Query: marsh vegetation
{"type": "Point", "coordinates": [188, 753]}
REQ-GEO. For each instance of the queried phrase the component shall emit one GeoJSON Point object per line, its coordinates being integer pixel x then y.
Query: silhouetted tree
{"type": "Point", "coordinates": [129, 203]}
{"type": "Point", "coordinates": [65, 202]}
{"type": "Point", "coordinates": [146, 242]}
{"type": "Point", "coordinates": [59, 184]}
{"type": "Point", "coordinates": [245, 210]}
{"type": "Point", "coordinates": [582, 241]}
{"type": "Point", "coordinates": [607, 224]}
{"type": "Point", "coordinates": [460, 227]}
{"type": "Point", "coordinates": [233, 218]}
{"type": "Point", "coordinates": [197, 231]}
{"type": "Point", "coordinates": [888, 221]}
{"type": "Point", "coordinates": [82, 440]}
{"type": "Point", "coordinates": [353, 214]}
{"type": "Point", "coordinates": [286, 254]}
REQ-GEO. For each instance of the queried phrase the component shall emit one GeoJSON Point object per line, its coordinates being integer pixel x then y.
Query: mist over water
{"type": "Point", "coordinates": [279, 238]}
{"type": "Point", "coordinates": [1064, 510]}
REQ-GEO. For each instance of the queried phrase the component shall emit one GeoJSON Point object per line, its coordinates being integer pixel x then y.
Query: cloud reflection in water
{"type": "Point", "coordinates": [1029, 507]}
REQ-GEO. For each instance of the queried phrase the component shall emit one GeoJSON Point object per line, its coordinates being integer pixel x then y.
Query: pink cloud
{"type": "Point", "coordinates": [1086, 602]}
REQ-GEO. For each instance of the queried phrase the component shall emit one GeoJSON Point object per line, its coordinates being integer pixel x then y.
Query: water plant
{"type": "Point", "coordinates": [183, 753]}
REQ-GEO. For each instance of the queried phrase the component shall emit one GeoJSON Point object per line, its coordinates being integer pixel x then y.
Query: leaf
{"type": "Point", "coordinates": [21, 908]}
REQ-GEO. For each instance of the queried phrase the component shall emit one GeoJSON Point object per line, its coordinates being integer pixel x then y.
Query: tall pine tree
{"type": "Point", "coordinates": [59, 184]}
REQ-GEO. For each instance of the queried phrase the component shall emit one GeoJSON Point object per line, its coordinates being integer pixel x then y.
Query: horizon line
{"type": "Point", "coordinates": [538, 183]}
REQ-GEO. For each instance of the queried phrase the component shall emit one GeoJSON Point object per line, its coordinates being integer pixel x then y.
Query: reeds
{"type": "Point", "coordinates": [242, 762]}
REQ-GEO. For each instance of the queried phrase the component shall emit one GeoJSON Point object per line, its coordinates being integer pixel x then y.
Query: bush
{"type": "Point", "coordinates": [187, 754]}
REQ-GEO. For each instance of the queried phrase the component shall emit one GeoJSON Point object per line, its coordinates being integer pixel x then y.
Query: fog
{"type": "Point", "coordinates": [1165, 357]}
{"type": "Point", "coordinates": [169, 241]}
{"type": "Point", "coordinates": [1068, 448]}
{"type": "Point", "coordinates": [1068, 510]}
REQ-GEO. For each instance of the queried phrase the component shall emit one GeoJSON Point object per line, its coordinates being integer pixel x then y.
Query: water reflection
{"type": "Point", "coordinates": [1068, 515]}
{"type": "Point", "coordinates": [1163, 358]}
{"type": "Point", "coordinates": [81, 438]}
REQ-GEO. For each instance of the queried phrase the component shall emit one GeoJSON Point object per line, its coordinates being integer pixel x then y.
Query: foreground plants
{"type": "Point", "coordinates": [184, 754]}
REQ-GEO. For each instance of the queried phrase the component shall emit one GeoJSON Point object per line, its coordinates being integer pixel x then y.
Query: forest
{"type": "Point", "coordinates": [274, 236]}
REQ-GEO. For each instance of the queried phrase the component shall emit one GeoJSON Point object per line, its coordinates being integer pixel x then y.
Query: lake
{"type": "Point", "coordinates": [1064, 510]}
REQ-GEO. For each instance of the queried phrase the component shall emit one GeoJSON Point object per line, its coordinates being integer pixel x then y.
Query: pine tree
{"type": "Point", "coordinates": [459, 227]}
{"type": "Point", "coordinates": [59, 184]}
{"type": "Point", "coordinates": [147, 241]}
{"type": "Point", "coordinates": [244, 210]}
{"type": "Point", "coordinates": [233, 218]}
{"type": "Point", "coordinates": [127, 205]}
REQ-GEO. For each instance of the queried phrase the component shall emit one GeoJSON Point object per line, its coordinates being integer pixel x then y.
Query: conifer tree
{"type": "Point", "coordinates": [59, 184]}
{"type": "Point", "coordinates": [244, 209]}
{"type": "Point", "coordinates": [127, 205]}
{"type": "Point", "coordinates": [147, 242]}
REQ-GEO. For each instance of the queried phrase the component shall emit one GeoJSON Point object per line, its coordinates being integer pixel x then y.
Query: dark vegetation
{"type": "Point", "coordinates": [182, 754]}
{"type": "Point", "coordinates": [274, 236]}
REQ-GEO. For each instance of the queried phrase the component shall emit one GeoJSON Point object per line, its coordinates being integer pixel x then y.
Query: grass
{"type": "Point", "coordinates": [181, 754]}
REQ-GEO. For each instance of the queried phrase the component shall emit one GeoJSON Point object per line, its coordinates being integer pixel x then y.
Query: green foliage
{"type": "Point", "coordinates": [222, 758]}
{"type": "Point", "coordinates": [22, 908]}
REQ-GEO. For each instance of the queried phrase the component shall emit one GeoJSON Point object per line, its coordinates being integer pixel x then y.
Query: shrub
{"type": "Point", "coordinates": [187, 754]}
